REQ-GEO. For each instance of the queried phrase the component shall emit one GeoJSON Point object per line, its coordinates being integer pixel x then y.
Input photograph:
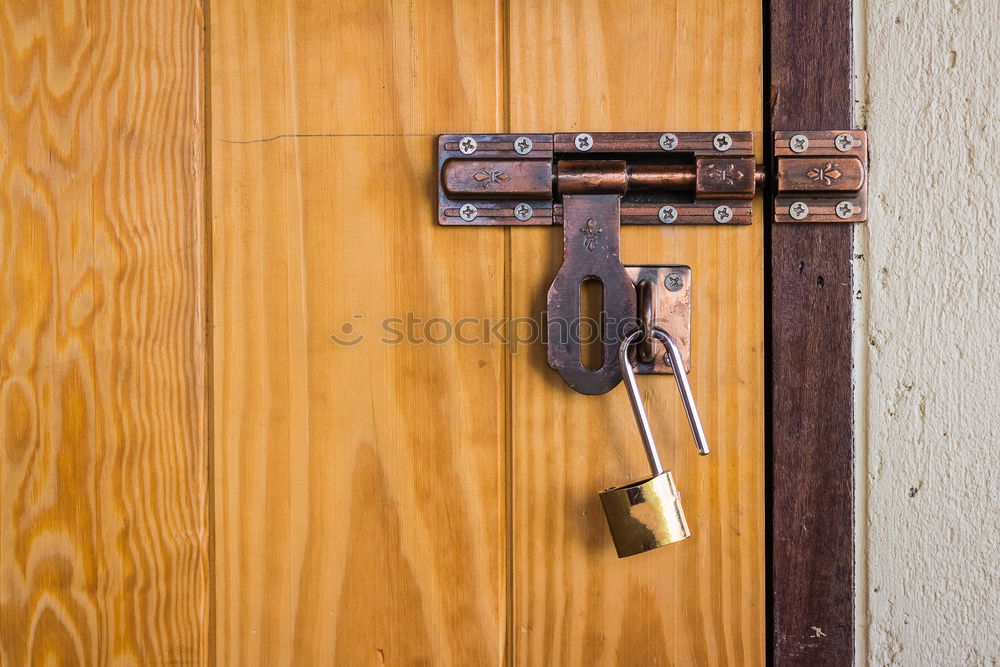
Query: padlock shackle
{"type": "Point", "coordinates": [684, 388]}
{"type": "Point", "coordinates": [673, 357]}
{"type": "Point", "coordinates": [638, 409]}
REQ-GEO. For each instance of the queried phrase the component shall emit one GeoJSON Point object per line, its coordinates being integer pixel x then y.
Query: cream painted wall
{"type": "Point", "coordinates": [929, 334]}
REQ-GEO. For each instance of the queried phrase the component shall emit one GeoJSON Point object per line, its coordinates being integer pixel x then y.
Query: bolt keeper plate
{"type": "Point", "coordinates": [671, 311]}
{"type": "Point", "coordinates": [822, 176]}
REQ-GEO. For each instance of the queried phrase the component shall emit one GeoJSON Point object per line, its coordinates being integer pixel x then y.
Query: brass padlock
{"type": "Point", "coordinates": [647, 514]}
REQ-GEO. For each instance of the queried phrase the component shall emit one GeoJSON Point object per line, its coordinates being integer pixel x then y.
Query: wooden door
{"type": "Point", "coordinates": [303, 488]}
{"type": "Point", "coordinates": [438, 502]}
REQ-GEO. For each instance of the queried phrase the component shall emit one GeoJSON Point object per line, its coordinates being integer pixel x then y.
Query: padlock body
{"type": "Point", "coordinates": [644, 515]}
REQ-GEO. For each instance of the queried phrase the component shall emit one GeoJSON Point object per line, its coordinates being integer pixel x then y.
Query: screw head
{"type": "Point", "coordinates": [845, 209]}
{"type": "Point", "coordinates": [468, 212]}
{"type": "Point", "coordinates": [799, 143]}
{"type": "Point", "coordinates": [668, 141]}
{"type": "Point", "coordinates": [668, 214]}
{"type": "Point", "coordinates": [467, 145]}
{"type": "Point", "coordinates": [798, 210]}
{"type": "Point", "coordinates": [584, 142]}
{"type": "Point", "coordinates": [523, 145]}
{"type": "Point", "coordinates": [673, 282]}
{"type": "Point", "coordinates": [523, 212]}
{"type": "Point", "coordinates": [844, 142]}
{"type": "Point", "coordinates": [722, 142]}
{"type": "Point", "coordinates": [722, 213]}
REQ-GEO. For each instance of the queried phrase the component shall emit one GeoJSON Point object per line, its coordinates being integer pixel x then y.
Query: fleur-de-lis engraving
{"type": "Point", "coordinates": [590, 231]}
{"type": "Point", "coordinates": [725, 174]}
{"type": "Point", "coordinates": [828, 173]}
{"type": "Point", "coordinates": [488, 176]}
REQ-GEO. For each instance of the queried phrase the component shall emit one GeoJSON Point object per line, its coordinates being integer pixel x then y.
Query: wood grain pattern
{"type": "Point", "coordinates": [363, 492]}
{"type": "Point", "coordinates": [641, 66]}
{"type": "Point", "coordinates": [103, 438]}
{"type": "Point", "coordinates": [812, 486]}
{"type": "Point", "coordinates": [359, 490]}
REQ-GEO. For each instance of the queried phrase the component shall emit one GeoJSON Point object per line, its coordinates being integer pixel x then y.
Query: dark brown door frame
{"type": "Point", "coordinates": [809, 76]}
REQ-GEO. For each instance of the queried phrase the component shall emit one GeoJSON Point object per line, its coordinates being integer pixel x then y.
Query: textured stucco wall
{"type": "Point", "coordinates": [929, 318]}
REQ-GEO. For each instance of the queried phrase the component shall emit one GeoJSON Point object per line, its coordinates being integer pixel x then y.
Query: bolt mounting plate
{"type": "Point", "coordinates": [484, 178]}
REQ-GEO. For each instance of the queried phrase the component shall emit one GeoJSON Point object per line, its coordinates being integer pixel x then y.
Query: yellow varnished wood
{"type": "Point", "coordinates": [372, 503]}
{"type": "Point", "coordinates": [642, 66]}
{"type": "Point", "coordinates": [359, 490]}
{"type": "Point", "coordinates": [103, 421]}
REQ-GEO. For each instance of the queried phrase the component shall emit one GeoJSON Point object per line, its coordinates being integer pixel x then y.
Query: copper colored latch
{"type": "Point", "coordinates": [592, 183]}
{"type": "Point", "coordinates": [678, 178]}
{"type": "Point", "coordinates": [822, 176]}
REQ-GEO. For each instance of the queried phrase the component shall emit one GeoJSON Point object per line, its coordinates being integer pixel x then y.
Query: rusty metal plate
{"type": "Point", "coordinates": [688, 213]}
{"type": "Point", "coordinates": [520, 179]}
{"type": "Point", "coordinates": [822, 176]}
{"type": "Point", "coordinates": [699, 143]}
{"type": "Point", "coordinates": [480, 200]}
{"type": "Point", "coordinates": [672, 311]}
{"type": "Point", "coordinates": [590, 251]}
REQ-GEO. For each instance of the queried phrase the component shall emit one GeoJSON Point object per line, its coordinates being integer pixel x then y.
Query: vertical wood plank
{"type": "Point", "coordinates": [103, 433]}
{"type": "Point", "coordinates": [359, 488]}
{"type": "Point", "coordinates": [643, 66]}
{"type": "Point", "coordinates": [812, 487]}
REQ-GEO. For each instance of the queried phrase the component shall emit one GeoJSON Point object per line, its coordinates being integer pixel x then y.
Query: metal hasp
{"type": "Point", "coordinates": [592, 183]}
{"type": "Point", "coordinates": [590, 252]}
